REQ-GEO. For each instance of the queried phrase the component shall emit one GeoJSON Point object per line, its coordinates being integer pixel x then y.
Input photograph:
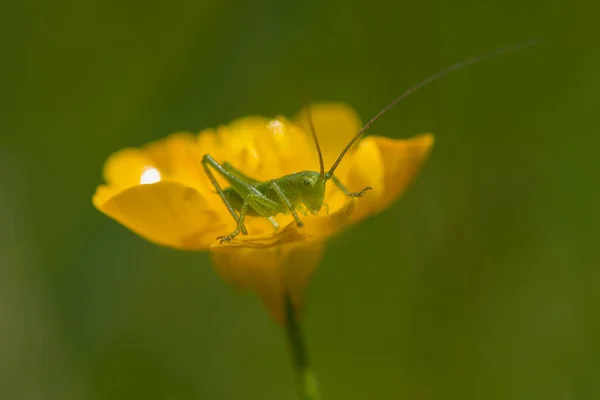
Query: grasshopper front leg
{"type": "Point", "coordinates": [345, 190]}
{"type": "Point", "coordinates": [284, 199]}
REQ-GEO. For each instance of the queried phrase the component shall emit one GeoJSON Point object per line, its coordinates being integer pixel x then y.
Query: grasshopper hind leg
{"type": "Point", "coordinates": [256, 202]}
{"type": "Point", "coordinates": [206, 161]}
{"type": "Point", "coordinates": [240, 224]}
{"type": "Point", "coordinates": [274, 222]}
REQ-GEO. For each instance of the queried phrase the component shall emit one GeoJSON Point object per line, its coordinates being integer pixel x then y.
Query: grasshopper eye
{"type": "Point", "coordinates": [305, 182]}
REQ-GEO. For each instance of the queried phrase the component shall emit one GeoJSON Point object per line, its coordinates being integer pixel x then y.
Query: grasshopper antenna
{"type": "Point", "coordinates": [425, 82]}
{"type": "Point", "coordinates": [314, 135]}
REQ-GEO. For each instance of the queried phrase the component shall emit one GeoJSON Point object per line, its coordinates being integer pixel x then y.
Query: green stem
{"type": "Point", "coordinates": [307, 382]}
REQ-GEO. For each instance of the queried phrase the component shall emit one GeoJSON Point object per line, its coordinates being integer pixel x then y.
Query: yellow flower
{"type": "Point", "coordinates": [162, 193]}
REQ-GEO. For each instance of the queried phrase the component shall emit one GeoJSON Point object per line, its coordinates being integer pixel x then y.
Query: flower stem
{"type": "Point", "coordinates": [306, 379]}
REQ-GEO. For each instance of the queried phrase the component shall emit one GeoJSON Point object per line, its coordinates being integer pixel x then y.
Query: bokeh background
{"type": "Point", "coordinates": [482, 282]}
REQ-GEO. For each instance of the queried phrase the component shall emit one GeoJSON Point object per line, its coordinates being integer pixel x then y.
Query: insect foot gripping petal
{"type": "Point", "coordinates": [240, 225]}
{"type": "Point", "coordinates": [345, 190]}
{"type": "Point", "coordinates": [359, 194]}
{"type": "Point", "coordinates": [230, 236]}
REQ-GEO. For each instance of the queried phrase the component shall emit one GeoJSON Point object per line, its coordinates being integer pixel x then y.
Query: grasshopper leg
{"type": "Point", "coordinates": [234, 171]}
{"type": "Point", "coordinates": [251, 200]}
{"type": "Point", "coordinates": [287, 203]}
{"type": "Point", "coordinates": [206, 161]}
{"type": "Point", "coordinates": [274, 222]}
{"type": "Point", "coordinates": [345, 190]}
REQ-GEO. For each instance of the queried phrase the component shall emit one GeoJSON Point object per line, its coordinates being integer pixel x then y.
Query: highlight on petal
{"type": "Point", "coordinates": [271, 272]}
{"type": "Point", "coordinates": [125, 168]}
{"type": "Point", "coordinates": [388, 166]}
{"type": "Point", "coordinates": [150, 175]}
{"type": "Point", "coordinates": [166, 213]}
{"type": "Point", "coordinates": [177, 157]}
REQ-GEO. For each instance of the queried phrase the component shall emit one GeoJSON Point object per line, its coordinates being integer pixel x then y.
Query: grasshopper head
{"type": "Point", "coordinates": [311, 189]}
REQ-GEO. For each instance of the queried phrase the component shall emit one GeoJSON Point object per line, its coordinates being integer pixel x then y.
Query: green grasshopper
{"type": "Point", "coordinates": [287, 194]}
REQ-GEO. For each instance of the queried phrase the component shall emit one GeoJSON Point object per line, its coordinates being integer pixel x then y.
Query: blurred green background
{"type": "Point", "coordinates": [482, 282]}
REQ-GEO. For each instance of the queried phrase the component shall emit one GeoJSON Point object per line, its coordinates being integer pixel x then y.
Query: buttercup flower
{"type": "Point", "coordinates": [161, 192]}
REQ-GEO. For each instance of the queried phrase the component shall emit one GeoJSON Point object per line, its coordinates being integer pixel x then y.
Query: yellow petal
{"type": "Point", "coordinates": [388, 166]}
{"type": "Point", "coordinates": [179, 158]}
{"type": "Point", "coordinates": [271, 272]}
{"type": "Point", "coordinates": [166, 213]}
{"type": "Point", "coordinates": [335, 125]}
{"type": "Point", "coordinates": [167, 152]}
{"type": "Point", "coordinates": [265, 148]}
{"type": "Point", "coordinates": [176, 157]}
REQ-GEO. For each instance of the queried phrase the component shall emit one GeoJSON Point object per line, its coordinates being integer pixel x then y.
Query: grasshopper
{"type": "Point", "coordinates": [287, 194]}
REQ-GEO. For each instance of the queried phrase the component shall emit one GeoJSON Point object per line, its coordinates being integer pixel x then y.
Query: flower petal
{"type": "Point", "coordinates": [271, 272]}
{"type": "Point", "coordinates": [176, 157]}
{"type": "Point", "coordinates": [388, 166]}
{"type": "Point", "coordinates": [166, 213]}
{"type": "Point", "coordinates": [179, 158]}
{"type": "Point", "coordinates": [335, 125]}
{"type": "Point", "coordinates": [266, 148]}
